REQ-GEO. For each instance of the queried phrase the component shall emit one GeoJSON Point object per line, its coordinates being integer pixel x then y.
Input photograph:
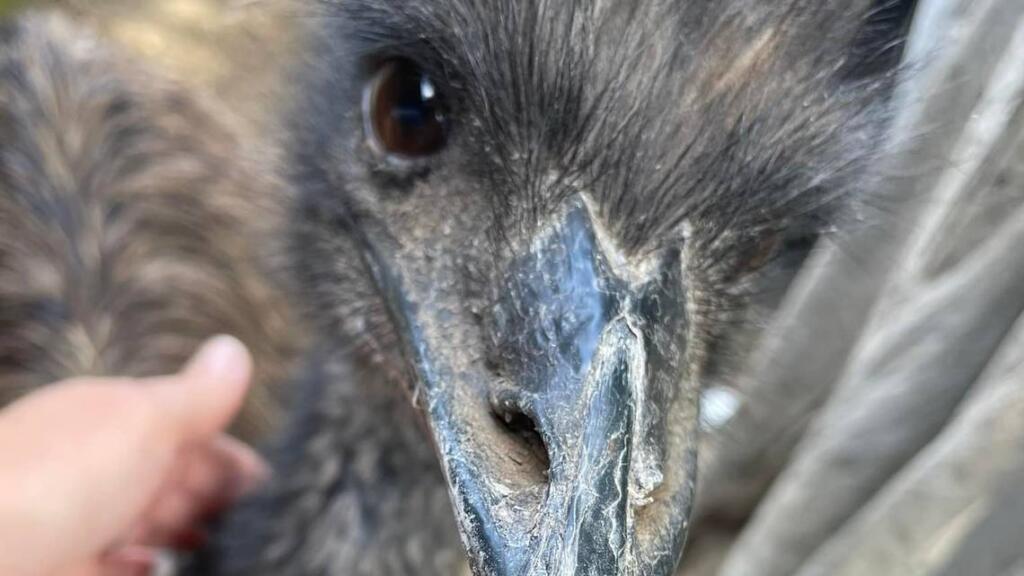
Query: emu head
{"type": "Point", "coordinates": [544, 219]}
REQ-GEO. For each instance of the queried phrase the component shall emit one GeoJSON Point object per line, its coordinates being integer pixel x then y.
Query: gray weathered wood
{"type": "Point", "coordinates": [794, 371]}
{"type": "Point", "coordinates": [954, 492]}
{"type": "Point", "coordinates": [934, 330]}
{"type": "Point", "coordinates": [853, 407]}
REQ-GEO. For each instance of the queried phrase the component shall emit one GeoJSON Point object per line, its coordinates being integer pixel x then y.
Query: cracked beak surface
{"type": "Point", "coordinates": [563, 411]}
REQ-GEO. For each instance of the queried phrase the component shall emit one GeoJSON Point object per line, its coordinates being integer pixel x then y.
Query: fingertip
{"type": "Point", "coordinates": [251, 470]}
{"type": "Point", "coordinates": [215, 383]}
{"type": "Point", "coordinates": [222, 471]}
{"type": "Point", "coordinates": [222, 359]}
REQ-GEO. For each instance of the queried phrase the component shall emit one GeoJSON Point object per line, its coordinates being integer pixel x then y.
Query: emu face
{"type": "Point", "coordinates": [544, 219]}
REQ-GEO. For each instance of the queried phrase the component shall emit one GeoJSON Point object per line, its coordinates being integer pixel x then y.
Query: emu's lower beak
{"type": "Point", "coordinates": [561, 417]}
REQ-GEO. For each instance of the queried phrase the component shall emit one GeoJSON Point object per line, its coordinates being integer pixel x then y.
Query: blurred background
{"type": "Point", "coordinates": [229, 55]}
{"type": "Point", "coordinates": [233, 48]}
{"type": "Point", "coordinates": [879, 426]}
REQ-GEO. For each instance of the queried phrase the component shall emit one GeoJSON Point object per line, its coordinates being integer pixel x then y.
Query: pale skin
{"type": "Point", "coordinates": [97, 473]}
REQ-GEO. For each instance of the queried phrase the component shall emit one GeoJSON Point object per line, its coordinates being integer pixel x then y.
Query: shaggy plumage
{"type": "Point", "coordinates": [133, 221]}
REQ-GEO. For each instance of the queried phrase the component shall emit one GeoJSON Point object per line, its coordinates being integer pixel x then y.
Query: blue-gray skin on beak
{"type": "Point", "coordinates": [596, 363]}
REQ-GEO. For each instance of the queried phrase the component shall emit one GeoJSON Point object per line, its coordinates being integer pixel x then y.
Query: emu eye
{"type": "Point", "coordinates": [404, 112]}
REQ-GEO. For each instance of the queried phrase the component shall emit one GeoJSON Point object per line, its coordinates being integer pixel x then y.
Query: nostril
{"type": "Point", "coordinates": [514, 420]}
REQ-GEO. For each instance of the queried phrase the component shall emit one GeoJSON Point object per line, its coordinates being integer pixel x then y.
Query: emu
{"type": "Point", "coordinates": [529, 232]}
{"type": "Point", "coordinates": [544, 221]}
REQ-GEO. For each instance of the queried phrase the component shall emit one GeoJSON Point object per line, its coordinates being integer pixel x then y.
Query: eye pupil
{"type": "Point", "coordinates": [406, 115]}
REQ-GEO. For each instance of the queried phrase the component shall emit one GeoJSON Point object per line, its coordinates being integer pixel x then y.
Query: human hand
{"type": "Point", "coordinates": [96, 472]}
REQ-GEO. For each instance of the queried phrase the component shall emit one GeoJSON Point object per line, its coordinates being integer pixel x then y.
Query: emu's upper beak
{"type": "Point", "coordinates": [562, 414]}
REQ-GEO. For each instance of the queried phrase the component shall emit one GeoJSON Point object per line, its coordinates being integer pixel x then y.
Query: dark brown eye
{"type": "Point", "coordinates": [404, 111]}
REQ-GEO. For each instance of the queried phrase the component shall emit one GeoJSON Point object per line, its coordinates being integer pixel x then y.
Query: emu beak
{"type": "Point", "coordinates": [563, 419]}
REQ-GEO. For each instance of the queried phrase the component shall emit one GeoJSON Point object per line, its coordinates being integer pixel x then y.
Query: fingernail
{"type": "Point", "coordinates": [220, 358]}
